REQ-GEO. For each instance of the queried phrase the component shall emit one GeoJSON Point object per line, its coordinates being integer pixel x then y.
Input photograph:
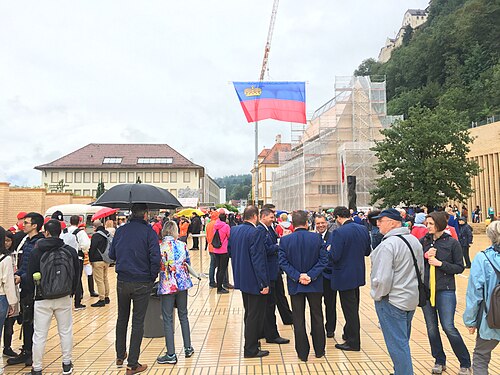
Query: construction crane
{"type": "Point", "coordinates": [262, 72]}
{"type": "Point", "coordinates": [269, 40]}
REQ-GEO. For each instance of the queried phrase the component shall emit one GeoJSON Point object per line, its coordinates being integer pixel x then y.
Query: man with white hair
{"type": "Point", "coordinates": [394, 286]}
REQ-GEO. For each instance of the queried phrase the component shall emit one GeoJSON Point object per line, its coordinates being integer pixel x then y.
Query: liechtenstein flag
{"type": "Point", "coordinates": [283, 101]}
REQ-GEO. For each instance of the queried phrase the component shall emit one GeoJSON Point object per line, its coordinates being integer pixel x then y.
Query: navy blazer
{"type": "Point", "coordinates": [303, 252]}
{"type": "Point", "coordinates": [349, 245]}
{"type": "Point", "coordinates": [248, 258]}
{"type": "Point", "coordinates": [271, 245]}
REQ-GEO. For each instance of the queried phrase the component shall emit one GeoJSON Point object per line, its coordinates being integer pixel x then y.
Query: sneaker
{"type": "Point", "coordinates": [228, 286]}
{"type": "Point", "coordinates": [67, 369]}
{"type": "Point", "coordinates": [99, 303]}
{"type": "Point", "coordinates": [80, 307]}
{"type": "Point", "coordinates": [438, 369]}
{"type": "Point", "coordinates": [106, 300]}
{"type": "Point", "coordinates": [119, 361]}
{"type": "Point", "coordinates": [188, 352]}
{"type": "Point", "coordinates": [23, 357]}
{"type": "Point", "coordinates": [464, 371]}
{"type": "Point", "coordinates": [136, 369]}
{"type": "Point", "coordinates": [213, 285]}
{"type": "Point", "coordinates": [223, 291]}
{"type": "Point", "coordinates": [35, 372]}
{"type": "Point", "coordinates": [9, 352]}
{"type": "Point", "coordinates": [167, 359]}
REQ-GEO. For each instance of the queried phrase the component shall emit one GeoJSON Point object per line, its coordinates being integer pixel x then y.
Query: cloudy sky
{"type": "Point", "coordinates": [93, 71]}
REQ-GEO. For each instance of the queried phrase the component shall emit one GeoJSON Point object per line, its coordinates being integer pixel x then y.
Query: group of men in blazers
{"type": "Point", "coordinates": [305, 257]}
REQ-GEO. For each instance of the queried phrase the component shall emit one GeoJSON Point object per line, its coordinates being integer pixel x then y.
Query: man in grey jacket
{"type": "Point", "coordinates": [394, 286]}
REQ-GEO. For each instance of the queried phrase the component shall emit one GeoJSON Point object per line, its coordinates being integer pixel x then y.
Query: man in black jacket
{"type": "Point", "coordinates": [60, 307]}
{"type": "Point", "coordinates": [195, 228]}
{"type": "Point", "coordinates": [98, 244]}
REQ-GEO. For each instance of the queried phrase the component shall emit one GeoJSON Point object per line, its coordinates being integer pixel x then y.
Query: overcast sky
{"type": "Point", "coordinates": [93, 71]}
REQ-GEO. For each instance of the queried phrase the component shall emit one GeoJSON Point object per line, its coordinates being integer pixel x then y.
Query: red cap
{"type": "Point", "coordinates": [12, 229]}
{"type": "Point", "coordinates": [21, 215]}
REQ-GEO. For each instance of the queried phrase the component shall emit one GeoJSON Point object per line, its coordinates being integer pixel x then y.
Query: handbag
{"type": "Point", "coordinates": [423, 292]}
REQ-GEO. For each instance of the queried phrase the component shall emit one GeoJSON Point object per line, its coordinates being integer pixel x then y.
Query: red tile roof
{"type": "Point", "coordinates": [264, 152]}
{"type": "Point", "coordinates": [272, 156]}
{"type": "Point", "coordinates": [92, 156]}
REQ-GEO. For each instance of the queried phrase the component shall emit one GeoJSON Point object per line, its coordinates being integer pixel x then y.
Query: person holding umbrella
{"type": "Point", "coordinates": [136, 251]}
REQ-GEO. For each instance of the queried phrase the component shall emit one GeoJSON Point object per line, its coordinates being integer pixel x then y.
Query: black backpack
{"type": "Point", "coordinates": [216, 242]}
{"type": "Point", "coordinates": [58, 272]}
{"type": "Point", "coordinates": [493, 311]}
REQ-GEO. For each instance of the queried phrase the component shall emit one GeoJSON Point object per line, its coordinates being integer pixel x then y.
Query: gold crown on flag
{"type": "Point", "coordinates": [253, 91]}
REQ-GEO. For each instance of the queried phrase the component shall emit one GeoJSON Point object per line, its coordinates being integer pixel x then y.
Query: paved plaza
{"type": "Point", "coordinates": [217, 336]}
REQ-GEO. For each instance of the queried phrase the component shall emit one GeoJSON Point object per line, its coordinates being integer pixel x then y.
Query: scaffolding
{"type": "Point", "coordinates": [341, 131]}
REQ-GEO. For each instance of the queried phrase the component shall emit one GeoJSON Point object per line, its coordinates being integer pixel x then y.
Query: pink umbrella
{"type": "Point", "coordinates": [104, 212]}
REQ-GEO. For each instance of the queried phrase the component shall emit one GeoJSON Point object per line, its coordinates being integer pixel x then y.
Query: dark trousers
{"type": "Point", "coordinates": [282, 302]}
{"type": "Point", "coordinates": [196, 242]}
{"type": "Point", "coordinates": [8, 331]}
{"type": "Point", "coordinates": [299, 324]}
{"type": "Point", "coordinates": [270, 329]}
{"type": "Point", "coordinates": [465, 250]}
{"type": "Point", "coordinates": [27, 310]}
{"type": "Point", "coordinates": [90, 281]}
{"type": "Point", "coordinates": [79, 286]}
{"type": "Point", "coordinates": [255, 311]}
{"type": "Point", "coordinates": [330, 300]}
{"type": "Point", "coordinates": [349, 300]}
{"type": "Point", "coordinates": [221, 262]}
{"type": "Point", "coordinates": [139, 294]}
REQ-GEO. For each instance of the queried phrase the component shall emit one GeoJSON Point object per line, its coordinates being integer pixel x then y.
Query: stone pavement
{"type": "Point", "coordinates": [217, 329]}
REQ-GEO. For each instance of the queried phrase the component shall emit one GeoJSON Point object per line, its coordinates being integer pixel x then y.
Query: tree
{"type": "Point", "coordinates": [422, 160]}
{"type": "Point", "coordinates": [407, 35]}
{"type": "Point", "coordinates": [367, 68]}
{"type": "Point", "coordinates": [100, 189]}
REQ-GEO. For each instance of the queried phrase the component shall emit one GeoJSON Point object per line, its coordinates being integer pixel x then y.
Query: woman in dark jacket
{"type": "Point", "coordinates": [444, 254]}
{"type": "Point", "coordinates": [465, 237]}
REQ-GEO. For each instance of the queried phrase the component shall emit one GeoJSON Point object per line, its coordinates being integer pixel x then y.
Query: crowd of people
{"type": "Point", "coordinates": [414, 254]}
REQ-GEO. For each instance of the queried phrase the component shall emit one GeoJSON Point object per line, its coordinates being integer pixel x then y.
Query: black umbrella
{"type": "Point", "coordinates": [123, 196]}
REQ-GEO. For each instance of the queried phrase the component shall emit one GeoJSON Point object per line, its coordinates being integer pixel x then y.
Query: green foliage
{"type": "Point", "coordinates": [367, 68]}
{"type": "Point", "coordinates": [237, 186]}
{"type": "Point", "coordinates": [407, 35]}
{"type": "Point", "coordinates": [452, 61]}
{"type": "Point", "coordinates": [227, 206]}
{"type": "Point", "coordinates": [423, 159]}
{"type": "Point", "coordinates": [100, 189]}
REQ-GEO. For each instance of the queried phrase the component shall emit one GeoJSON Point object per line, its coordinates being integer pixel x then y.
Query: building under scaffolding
{"type": "Point", "coordinates": [335, 144]}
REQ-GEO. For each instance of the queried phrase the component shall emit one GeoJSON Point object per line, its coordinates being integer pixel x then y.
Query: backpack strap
{"type": "Point", "coordinates": [492, 265]}
{"type": "Point", "coordinates": [3, 257]}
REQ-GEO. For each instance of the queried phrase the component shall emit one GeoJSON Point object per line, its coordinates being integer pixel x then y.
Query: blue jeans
{"type": "Point", "coordinates": [168, 301]}
{"type": "Point", "coordinates": [446, 302]}
{"type": "Point", "coordinates": [4, 309]}
{"type": "Point", "coordinates": [396, 327]}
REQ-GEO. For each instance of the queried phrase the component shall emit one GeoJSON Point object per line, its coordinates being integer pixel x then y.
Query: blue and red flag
{"type": "Point", "coordinates": [283, 101]}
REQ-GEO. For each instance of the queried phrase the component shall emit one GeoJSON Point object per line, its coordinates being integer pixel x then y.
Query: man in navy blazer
{"type": "Point", "coordinates": [248, 258]}
{"type": "Point", "coordinates": [303, 257]}
{"type": "Point", "coordinates": [348, 246]}
{"type": "Point", "coordinates": [270, 331]}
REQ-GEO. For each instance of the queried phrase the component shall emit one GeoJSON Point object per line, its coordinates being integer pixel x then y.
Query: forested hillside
{"type": "Point", "coordinates": [452, 61]}
{"type": "Point", "coordinates": [237, 186]}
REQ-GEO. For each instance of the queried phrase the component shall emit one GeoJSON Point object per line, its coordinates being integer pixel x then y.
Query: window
{"type": "Point", "coordinates": [173, 192]}
{"type": "Point", "coordinates": [54, 177]}
{"type": "Point", "coordinates": [130, 178]}
{"type": "Point", "coordinates": [69, 177]}
{"type": "Point", "coordinates": [139, 177]}
{"type": "Point", "coordinates": [112, 177]}
{"type": "Point", "coordinates": [86, 177]}
{"type": "Point", "coordinates": [187, 177]}
{"type": "Point", "coordinates": [86, 192]}
{"type": "Point", "coordinates": [156, 176]}
{"type": "Point", "coordinates": [95, 177]}
{"type": "Point", "coordinates": [328, 189]}
{"type": "Point", "coordinates": [94, 193]}
{"type": "Point", "coordinates": [78, 192]}
{"type": "Point", "coordinates": [123, 177]}
{"type": "Point", "coordinates": [164, 177]}
{"type": "Point", "coordinates": [78, 177]}
{"type": "Point", "coordinates": [68, 191]}
{"type": "Point", "coordinates": [173, 176]}
{"type": "Point", "coordinates": [147, 176]}
{"type": "Point", "coordinates": [114, 160]}
{"type": "Point", "coordinates": [104, 176]}
{"type": "Point", "coordinates": [154, 160]}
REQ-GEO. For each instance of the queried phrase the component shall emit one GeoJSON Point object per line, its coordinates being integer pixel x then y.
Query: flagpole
{"type": "Point", "coordinates": [256, 165]}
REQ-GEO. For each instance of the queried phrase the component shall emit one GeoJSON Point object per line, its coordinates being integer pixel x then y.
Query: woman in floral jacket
{"type": "Point", "coordinates": [173, 290]}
